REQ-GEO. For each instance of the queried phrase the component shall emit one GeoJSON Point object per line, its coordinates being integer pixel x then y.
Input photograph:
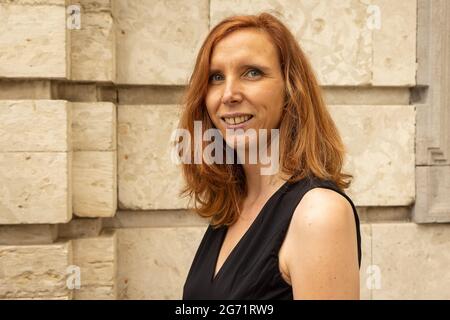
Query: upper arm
{"type": "Point", "coordinates": [322, 258]}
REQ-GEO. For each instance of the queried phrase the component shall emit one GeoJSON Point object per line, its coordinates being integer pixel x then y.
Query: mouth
{"type": "Point", "coordinates": [237, 121]}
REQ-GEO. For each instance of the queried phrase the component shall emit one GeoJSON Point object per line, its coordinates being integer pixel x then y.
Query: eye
{"type": "Point", "coordinates": [255, 72]}
{"type": "Point", "coordinates": [214, 78]}
{"type": "Point", "coordinates": [251, 72]}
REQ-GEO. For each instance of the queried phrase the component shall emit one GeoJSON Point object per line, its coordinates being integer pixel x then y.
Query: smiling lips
{"type": "Point", "coordinates": [234, 120]}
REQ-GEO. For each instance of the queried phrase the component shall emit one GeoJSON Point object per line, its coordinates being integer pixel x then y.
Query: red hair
{"type": "Point", "coordinates": [310, 144]}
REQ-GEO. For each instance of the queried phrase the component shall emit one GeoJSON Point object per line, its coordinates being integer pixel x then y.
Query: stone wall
{"type": "Point", "coordinates": [89, 205]}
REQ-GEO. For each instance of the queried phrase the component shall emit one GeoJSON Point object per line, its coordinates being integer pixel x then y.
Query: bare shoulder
{"type": "Point", "coordinates": [320, 254]}
{"type": "Point", "coordinates": [325, 208]}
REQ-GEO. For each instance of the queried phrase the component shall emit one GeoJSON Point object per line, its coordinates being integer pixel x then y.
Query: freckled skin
{"type": "Point", "coordinates": [236, 87]}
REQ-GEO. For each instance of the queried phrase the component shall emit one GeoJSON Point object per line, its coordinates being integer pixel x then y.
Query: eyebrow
{"type": "Point", "coordinates": [246, 66]}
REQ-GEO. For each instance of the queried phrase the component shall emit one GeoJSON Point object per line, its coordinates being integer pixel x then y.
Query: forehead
{"type": "Point", "coordinates": [244, 45]}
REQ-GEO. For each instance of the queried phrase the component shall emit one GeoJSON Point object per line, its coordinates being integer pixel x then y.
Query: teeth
{"type": "Point", "coordinates": [237, 120]}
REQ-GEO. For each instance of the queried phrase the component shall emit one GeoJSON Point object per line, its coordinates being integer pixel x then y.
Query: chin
{"type": "Point", "coordinates": [241, 142]}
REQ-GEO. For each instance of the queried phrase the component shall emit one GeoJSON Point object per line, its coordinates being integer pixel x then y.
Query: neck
{"type": "Point", "coordinates": [264, 177]}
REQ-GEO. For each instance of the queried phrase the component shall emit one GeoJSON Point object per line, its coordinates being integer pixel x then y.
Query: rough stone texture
{"type": "Point", "coordinates": [342, 50]}
{"type": "Point", "coordinates": [80, 228]}
{"type": "Point", "coordinates": [35, 125]}
{"type": "Point", "coordinates": [433, 112]}
{"type": "Point", "coordinates": [154, 262]}
{"type": "Point", "coordinates": [97, 259]}
{"type": "Point", "coordinates": [35, 187]}
{"type": "Point", "coordinates": [433, 76]}
{"type": "Point", "coordinates": [433, 184]}
{"type": "Point", "coordinates": [94, 183]}
{"type": "Point", "coordinates": [380, 144]}
{"type": "Point", "coordinates": [394, 45]}
{"type": "Point", "coordinates": [157, 41]}
{"type": "Point", "coordinates": [148, 179]}
{"type": "Point", "coordinates": [35, 161]}
{"type": "Point", "coordinates": [35, 271]}
{"type": "Point", "coordinates": [28, 234]}
{"type": "Point", "coordinates": [93, 46]}
{"type": "Point", "coordinates": [34, 40]}
{"type": "Point", "coordinates": [94, 126]}
{"type": "Point", "coordinates": [413, 260]}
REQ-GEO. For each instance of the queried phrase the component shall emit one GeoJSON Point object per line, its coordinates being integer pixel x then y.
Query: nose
{"type": "Point", "coordinates": [231, 94]}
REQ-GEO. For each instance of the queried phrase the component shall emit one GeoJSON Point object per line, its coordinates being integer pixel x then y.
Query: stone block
{"type": "Point", "coordinates": [35, 125]}
{"type": "Point", "coordinates": [394, 44]}
{"type": "Point", "coordinates": [433, 185]}
{"type": "Point", "coordinates": [34, 40]}
{"type": "Point", "coordinates": [94, 126]}
{"type": "Point", "coordinates": [93, 45]}
{"type": "Point", "coordinates": [36, 187]}
{"type": "Point", "coordinates": [413, 260]}
{"type": "Point", "coordinates": [380, 145]}
{"type": "Point", "coordinates": [94, 183]}
{"type": "Point", "coordinates": [148, 179]}
{"type": "Point", "coordinates": [157, 41]}
{"type": "Point", "coordinates": [35, 271]}
{"type": "Point", "coordinates": [97, 259]}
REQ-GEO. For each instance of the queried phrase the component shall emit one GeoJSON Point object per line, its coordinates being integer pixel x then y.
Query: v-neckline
{"type": "Point", "coordinates": [214, 276]}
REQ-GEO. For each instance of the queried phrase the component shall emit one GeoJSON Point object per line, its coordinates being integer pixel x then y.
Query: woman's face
{"type": "Point", "coordinates": [246, 87]}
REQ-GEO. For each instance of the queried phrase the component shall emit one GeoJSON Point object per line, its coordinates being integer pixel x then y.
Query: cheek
{"type": "Point", "coordinates": [211, 107]}
{"type": "Point", "coordinates": [209, 101]}
{"type": "Point", "coordinates": [273, 107]}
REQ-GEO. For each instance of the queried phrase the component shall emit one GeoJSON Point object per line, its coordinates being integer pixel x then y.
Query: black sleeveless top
{"type": "Point", "coordinates": [251, 269]}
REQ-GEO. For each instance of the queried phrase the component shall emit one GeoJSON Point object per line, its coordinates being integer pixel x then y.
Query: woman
{"type": "Point", "coordinates": [292, 234]}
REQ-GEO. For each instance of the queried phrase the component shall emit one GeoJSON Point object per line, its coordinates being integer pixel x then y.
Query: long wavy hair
{"type": "Point", "coordinates": [309, 142]}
